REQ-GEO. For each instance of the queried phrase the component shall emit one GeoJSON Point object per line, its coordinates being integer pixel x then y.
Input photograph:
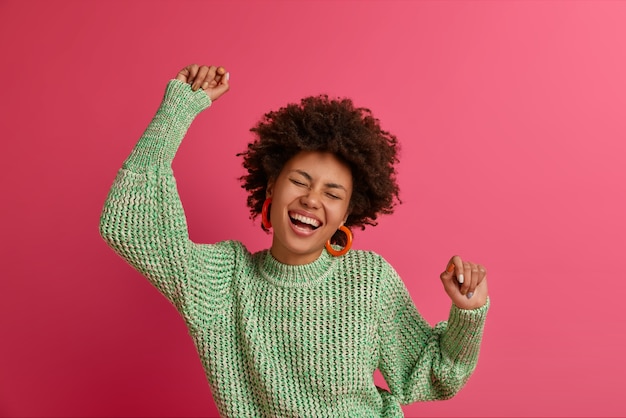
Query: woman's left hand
{"type": "Point", "coordinates": [472, 293]}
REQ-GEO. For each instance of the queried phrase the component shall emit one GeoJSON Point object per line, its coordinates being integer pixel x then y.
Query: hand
{"type": "Point", "coordinates": [213, 80]}
{"type": "Point", "coordinates": [472, 292]}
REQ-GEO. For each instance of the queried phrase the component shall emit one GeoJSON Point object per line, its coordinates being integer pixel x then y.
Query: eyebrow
{"type": "Point", "coordinates": [329, 185]}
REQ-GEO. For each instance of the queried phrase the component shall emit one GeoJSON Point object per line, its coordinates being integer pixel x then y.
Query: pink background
{"type": "Point", "coordinates": [511, 118]}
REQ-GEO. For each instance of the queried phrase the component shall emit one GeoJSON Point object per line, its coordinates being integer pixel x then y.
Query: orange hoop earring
{"type": "Point", "coordinates": [265, 215]}
{"type": "Point", "coordinates": [345, 249]}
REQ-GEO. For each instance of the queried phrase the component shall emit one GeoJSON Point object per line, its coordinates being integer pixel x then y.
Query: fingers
{"type": "Point", "coordinates": [221, 77]}
{"type": "Point", "coordinates": [188, 73]}
{"type": "Point", "coordinates": [201, 77]}
{"type": "Point", "coordinates": [216, 82]}
{"type": "Point", "coordinates": [213, 80]}
{"type": "Point", "coordinates": [219, 73]}
{"type": "Point", "coordinates": [455, 268]}
{"type": "Point", "coordinates": [207, 80]}
{"type": "Point", "coordinates": [482, 274]}
{"type": "Point", "coordinates": [183, 75]}
{"type": "Point", "coordinates": [468, 275]}
{"type": "Point", "coordinates": [469, 285]}
{"type": "Point", "coordinates": [474, 275]}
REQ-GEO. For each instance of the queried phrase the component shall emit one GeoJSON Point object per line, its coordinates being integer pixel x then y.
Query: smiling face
{"type": "Point", "coordinates": [310, 201]}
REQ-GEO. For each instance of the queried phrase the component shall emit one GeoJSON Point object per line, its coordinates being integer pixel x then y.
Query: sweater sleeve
{"type": "Point", "coordinates": [420, 362]}
{"type": "Point", "coordinates": [143, 219]}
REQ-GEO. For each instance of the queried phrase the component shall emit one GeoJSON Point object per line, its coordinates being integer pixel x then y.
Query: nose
{"type": "Point", "coordinates": [310, 199]}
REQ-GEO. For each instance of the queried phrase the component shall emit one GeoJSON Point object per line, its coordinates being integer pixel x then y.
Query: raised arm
{"type": "Point", "coordinates": [420, 362]}
{"type": "Point", "coordinates": [143, 219]}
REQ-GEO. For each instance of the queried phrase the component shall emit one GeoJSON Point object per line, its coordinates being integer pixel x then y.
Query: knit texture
{"type": "Point", "coordinates": [276, 339]}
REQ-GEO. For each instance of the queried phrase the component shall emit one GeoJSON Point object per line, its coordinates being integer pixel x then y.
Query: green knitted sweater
{"type": "Point", "coordinates": [276, 339]}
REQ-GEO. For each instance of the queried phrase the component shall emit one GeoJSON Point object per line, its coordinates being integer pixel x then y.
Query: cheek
{"type": "Point", "coordinates": [280, 201]}
{"type": "Point", "coordinates": [339, 213]}
{"type": "Point", "coordinates": [283, 198]}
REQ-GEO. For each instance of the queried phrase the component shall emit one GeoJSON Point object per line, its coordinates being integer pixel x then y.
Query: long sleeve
{"type": "Point", "coordinates": [143, 219]}
{"type": "Point", "coordinates": [420, 362]}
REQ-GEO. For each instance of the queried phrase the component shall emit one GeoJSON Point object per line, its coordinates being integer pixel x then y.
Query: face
{"type": "Point", "coordinates": [310, 201]}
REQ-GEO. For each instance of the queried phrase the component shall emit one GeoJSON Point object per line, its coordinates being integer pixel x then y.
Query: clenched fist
{"type": "Point", "coordinates": [213, 80]}
{"type": "Point", "coordinates": [466, 283]}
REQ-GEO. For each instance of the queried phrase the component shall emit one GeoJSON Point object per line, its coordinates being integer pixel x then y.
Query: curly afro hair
{"type": "Point", "coordinates": [321, 124]}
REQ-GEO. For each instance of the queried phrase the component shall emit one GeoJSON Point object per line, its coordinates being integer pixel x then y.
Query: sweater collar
{"type": "Point", "coordinates": [286, 275]}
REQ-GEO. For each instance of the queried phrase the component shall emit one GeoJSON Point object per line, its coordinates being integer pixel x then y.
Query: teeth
{"type": "Point", "coordinates": [304, 219]}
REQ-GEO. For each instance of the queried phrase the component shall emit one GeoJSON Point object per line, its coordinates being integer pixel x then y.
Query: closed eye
{"type": "Point", "coordinates": [298, 183]}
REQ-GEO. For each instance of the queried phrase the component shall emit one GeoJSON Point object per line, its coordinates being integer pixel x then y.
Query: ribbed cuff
{"type": "Point", "coordinates": [181, 95]}
{"type": "Point", "coordinates": [461, 341]}
{"type": "Point", "coordinates": [160, 141]}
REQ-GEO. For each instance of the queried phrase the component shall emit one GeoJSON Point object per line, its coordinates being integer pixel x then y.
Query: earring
{"type": "Point", "coordinates": [265, 214]}
{"type": "Point", "coordinates": [345, 249]}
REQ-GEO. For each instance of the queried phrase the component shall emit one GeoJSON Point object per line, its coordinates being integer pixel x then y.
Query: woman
{"type": "Point", "coordinates": [299, 329]}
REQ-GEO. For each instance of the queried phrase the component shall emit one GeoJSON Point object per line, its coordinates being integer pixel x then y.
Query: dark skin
{"type": "Point", "coordinates": [213, 80]}
{"type": "Point", "coordinates": [465, 282]}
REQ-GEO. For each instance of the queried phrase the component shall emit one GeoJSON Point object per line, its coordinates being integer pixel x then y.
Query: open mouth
{"type": "Point", "coordinates": [304, 222]}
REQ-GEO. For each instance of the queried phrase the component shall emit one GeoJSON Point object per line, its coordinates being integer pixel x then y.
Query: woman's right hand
{"type": "Point", "coordinates": [213, 80]}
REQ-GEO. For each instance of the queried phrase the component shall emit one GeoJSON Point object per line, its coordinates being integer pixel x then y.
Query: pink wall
{"type": "Point", "coordinates": [511, 117]}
